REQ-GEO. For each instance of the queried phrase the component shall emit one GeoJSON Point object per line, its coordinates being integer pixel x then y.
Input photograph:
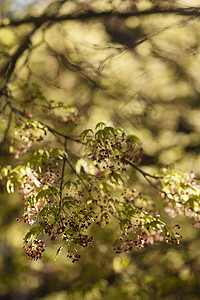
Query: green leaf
{"type": "Point", "coordinates": [59, 153]}
{"type": "Point", "coordinates": [43, 211]}
{"type": "Point", "coordinates": [116, 178]}
{"type": "Point", "coordinates": [114, 199]}
{"type": "Point", "coordinates": [4, 171]}
{"type": "Point", "coordinates": [109, 130]}
{"type": "Point", "coordinates": [69, 231]}
{"type": "Point", "coordinates": [103, 185]}
{"type": "Point", "coordinates": [100, 125]}
{"type": "Point", "coordinates": [30, 233]}
{"type": "Point", "coordinates": [58, 251]}
{"type": "Point", "coordinates": [89, 142]}
{"type": "Point", "coordinates": [124, 222]}
{"type": "Point", "coordinates": [68, 202]}
{"type": "Point", "coordinates": [69, 183]}
{"type": "Point", "coordinates": [191, 201]}
{"type": "Point", "coordinates": [170, 167]}
{"type": "Point", "coordinates": [133, 139]}
{"type": "Point", "coordinates": [46, 190]}
{"type": "Point", "coordinates": [89, 200]}
{"type": "Point", "coordinates": [131, 212]}
{"type": "Point", "coordinates": [100, 135]}
{"type": "Point", "coordinates": [85, 133]}
{"type": "Point", "coordinates": [10, 186]}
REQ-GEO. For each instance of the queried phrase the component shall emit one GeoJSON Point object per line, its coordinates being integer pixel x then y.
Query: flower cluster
{"type": "Point", "coordinates": [110, 148]}
{"type": "Point", "coordinates": [26, 134]}
{"type": "Point", "coordinates": [137, 216]}
{"type": "Point", "coordinates": [73, 256]}
{"type": "Point", "coordinates": [67, 211]}
{"type": "Point", "coordinates": [33, 189]}
{"type": "Point", "coordinates": [141, 240]}
{"type": "Point", "coordinates": [181, 194]}
{"type": "Point", "coordinates": [67, 220]}
{"type": "Point", "coordinates": [145, 235]}
{"type": "Point", "coordinates": [63, 114]}
{"type": "Point", "coordinates": [34, 249]}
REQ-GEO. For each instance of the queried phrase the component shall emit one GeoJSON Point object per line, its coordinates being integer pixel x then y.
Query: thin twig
{"type": "Point", "coordinates": [79, 176]}
{"type": "Point", "coordinates": [7, 129]}
{"type": "Point", "coordinates": [62, 175]}
{"type": "Point", "coordinates": [52, 130]}
{"type": "Point", "coordinates": [9, 68]}
{"type": "Point", "coordinates": [144, 174]}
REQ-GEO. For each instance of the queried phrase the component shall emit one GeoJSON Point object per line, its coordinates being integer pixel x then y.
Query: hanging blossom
{"type": "Point", "coordinates": [27, 133]}
{"type": "Point", "coordinates": [181, 193]}
{"type": "Point", "coordinates": [32, 184]}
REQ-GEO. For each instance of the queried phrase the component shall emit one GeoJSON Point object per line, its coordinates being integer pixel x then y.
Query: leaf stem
{"type": "Point", "coordinates": [62, 175]}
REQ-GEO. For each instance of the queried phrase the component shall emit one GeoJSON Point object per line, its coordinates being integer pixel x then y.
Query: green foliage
{"type": "Point", "coordinates": [68, 209]}
{"type": "Point", "coordinates": [99, 196]}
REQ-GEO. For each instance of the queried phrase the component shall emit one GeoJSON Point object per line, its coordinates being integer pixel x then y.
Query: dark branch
{"type": "Point", "coordinates": [38, 21]}
{"type": "Point", "coordinates": [50, 129]}
{"type": "Point", "coordinates": [144, 174]}
{"type": "Point", "coordinates": [10, 66]}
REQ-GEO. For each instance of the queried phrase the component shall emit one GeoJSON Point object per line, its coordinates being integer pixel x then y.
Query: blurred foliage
{"type": "Point", "coordinates": [133, 64]}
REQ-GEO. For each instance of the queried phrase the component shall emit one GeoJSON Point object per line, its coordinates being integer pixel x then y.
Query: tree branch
{"type": "Point", "coordinates": [144, 174]}
{"type": "Point", "coordinates": [38, 21]}
{"type": "Point", "coordinates": [10, 66]}
{"type": "Point", "coordinates": [50, 129]}
{"type": "Point", "coordinates": [79, 176]}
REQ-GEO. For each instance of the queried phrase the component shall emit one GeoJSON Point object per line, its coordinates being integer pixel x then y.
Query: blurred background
{"type": "Point", "coordinates": [137, 72]}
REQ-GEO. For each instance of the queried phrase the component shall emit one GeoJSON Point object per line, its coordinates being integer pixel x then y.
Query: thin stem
{"type": "Point", "coordinates": [62, 176]}
{"type": "Point", "coordinates": [144, 174]}
{"type": "Point", "coordinates": [9, 68]}
{"type": "Point", "coordinates": [7, 129]}
{"type": "Point", "coordinates": [73, 169]}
